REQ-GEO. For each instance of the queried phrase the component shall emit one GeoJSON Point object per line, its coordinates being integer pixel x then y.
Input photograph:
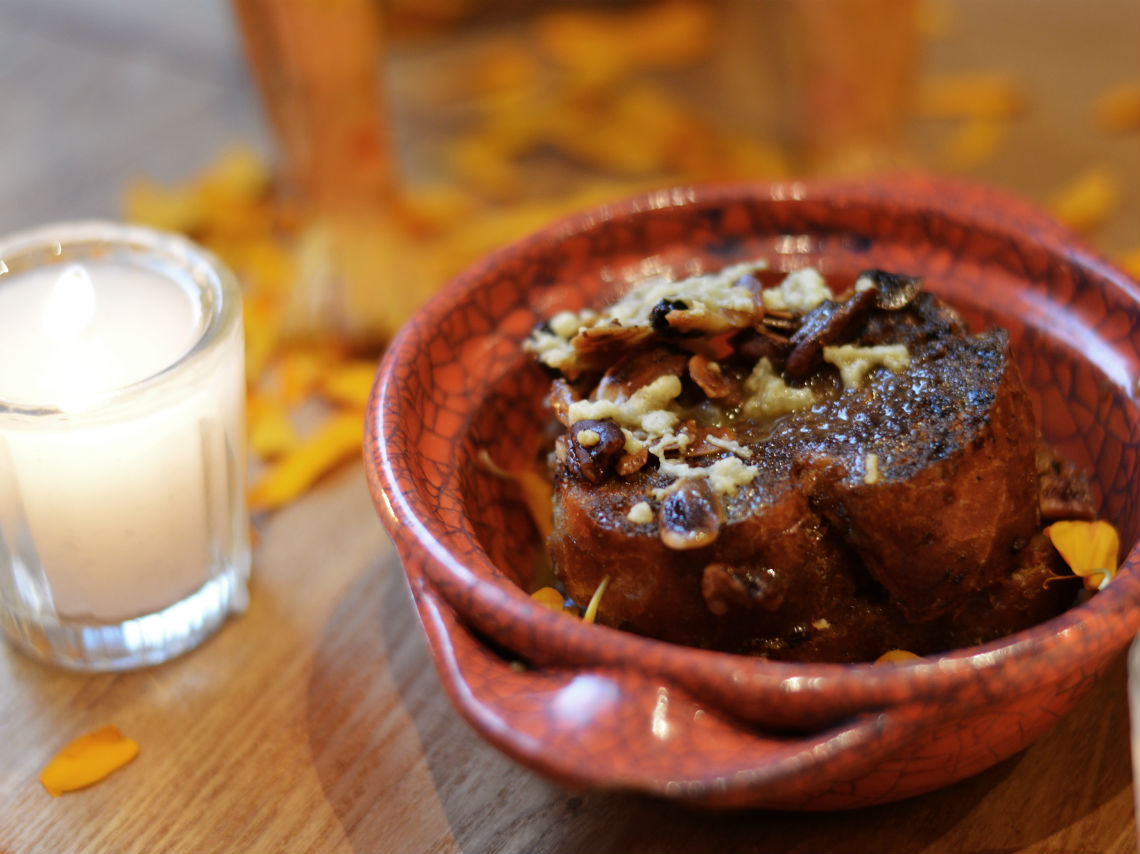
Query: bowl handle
{"type": "Point", "coordinates": [629, 730]}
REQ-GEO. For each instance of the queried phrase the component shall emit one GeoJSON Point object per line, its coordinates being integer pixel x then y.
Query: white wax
{"type": "Point", "coordinates": [116, 514]}
{"type": "Point", "coordinates": [74, 329]}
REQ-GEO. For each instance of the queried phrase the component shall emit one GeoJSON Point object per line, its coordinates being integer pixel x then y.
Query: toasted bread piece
{"type": "Point", "coordinates": [896, 506]}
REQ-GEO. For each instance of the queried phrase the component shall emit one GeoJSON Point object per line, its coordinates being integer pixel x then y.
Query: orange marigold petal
{"type": "Point", "coordinates": [1118, 109]}
{"type": "Point", "coordinates": [270, 429]}
{"type": "Point", "coordinates": [87, 760]}
{"type": "Point", "coordinates": [538, 493]}
{"type": "Point", "coordinates": [262, 334]}
{"type": "Point", "coordinates": [1091, 549]}
{"type": "Point", "coordinates": [974, 142]}
{"type": "Point", "coordinates": [167, 208]}
{"type": "Point", "coordinates": [1129, 261]}
{"type": "Point", "coordinates": [1086, 200]}
{"type": "Point", "coordinates": [299, 372]}
{"type": "Point", "coordinates": [989, 95]}
{"type": "Point", "coordinates": [548, 597]}
{"type": "Point", "coordinates": [349, 383]}
{"type": "Point", "coordinates": [339, 438]}
{"type": "Point", "coordinates": [896, 655]}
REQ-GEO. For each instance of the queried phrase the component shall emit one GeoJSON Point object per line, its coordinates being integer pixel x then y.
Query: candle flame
{"type": "Point", "coordinates": [70, 306]}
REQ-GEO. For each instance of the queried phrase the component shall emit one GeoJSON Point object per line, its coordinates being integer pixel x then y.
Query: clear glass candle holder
{"type": "Point", "coordinates": [124, 528]}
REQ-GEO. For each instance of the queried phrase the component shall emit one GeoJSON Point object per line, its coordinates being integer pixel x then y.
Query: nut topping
{"type": "Point", "coordinates": [892, 290]}
{"type": "Point", "coordinates": [726, 587]}
{"type": "Point", "coordinates": [707, 374]}
{"type": "Point", "coordinates": [638, 370]}
{"type": "Point", "coordinates": [753, 345]}
{"type": "Point", "coordinates": [659, 316]}
{"type": "Point", "coordinates": [829, 323]}
{"type": "Point", "coordinates": [690, 516]}
{"type": "Point", "coordinates": [598, 346]}
{"type": "Point", "coordinates": [628, 463]}
{"type": "Point", "coordinates": [594, 447]}
{"type": "Point", "coordinates": [561, 396]}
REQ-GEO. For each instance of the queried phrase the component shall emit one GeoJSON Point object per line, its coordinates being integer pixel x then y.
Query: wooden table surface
{"type": "Point", "coordinates": [315, 721]}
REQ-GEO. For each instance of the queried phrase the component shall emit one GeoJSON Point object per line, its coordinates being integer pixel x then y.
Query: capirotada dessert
{"type": "Point", "coordinates": [782, 467]}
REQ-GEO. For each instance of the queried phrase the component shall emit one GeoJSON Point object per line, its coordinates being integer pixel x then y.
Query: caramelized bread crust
{"type": "Point", "coordinates": [901, 513]}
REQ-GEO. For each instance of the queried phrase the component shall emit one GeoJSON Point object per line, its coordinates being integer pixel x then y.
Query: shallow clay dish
{"type": "Point", "coordinates": [598, 707]}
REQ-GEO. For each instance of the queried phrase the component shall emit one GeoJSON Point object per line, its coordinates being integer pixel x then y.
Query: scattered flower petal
{"type": "Point", "coordinates": [87, 760]}
{"type": "Point", "coordinates": [894, 656]}
{"type": "Point", "coordinates": [595, 600]}
{"type": "Point", "coordinates": [1087, 199]}
{"type": "Point", "coordinates": [548, 597]}
{"type": "Point", "coordinates": [977, 95]}
{"type": "Point", "coordinates": [1090, 549]}
{"type": "Point", "coordinates": [341, 436]}
{"type": "Point", "coordinates": [1118, 109]}
{"type": "Point", "coordinates": [349, 383]}
{"type": "Point", "coordinates": [271, 431]}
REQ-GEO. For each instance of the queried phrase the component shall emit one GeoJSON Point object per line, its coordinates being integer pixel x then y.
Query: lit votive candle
{"type": "Point", "coordinates": [124, 533]}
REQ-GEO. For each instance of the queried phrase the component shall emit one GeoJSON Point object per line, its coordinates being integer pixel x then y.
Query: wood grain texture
{"type": "Point", "coordinates": [315, 721]}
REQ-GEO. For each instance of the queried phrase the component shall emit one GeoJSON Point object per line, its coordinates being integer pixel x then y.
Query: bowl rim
{"type": "Point", "coordinates": [1103, 623]}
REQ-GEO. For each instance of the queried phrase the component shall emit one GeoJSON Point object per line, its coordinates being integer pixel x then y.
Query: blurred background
{"type": "Point", "coordinates": [347, 157]}
{"type": "Point", "coordinates": [484, 118]}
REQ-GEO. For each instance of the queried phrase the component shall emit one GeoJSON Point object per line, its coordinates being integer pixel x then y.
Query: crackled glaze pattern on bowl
{"type": "Point", "coordinates": [594, 706]}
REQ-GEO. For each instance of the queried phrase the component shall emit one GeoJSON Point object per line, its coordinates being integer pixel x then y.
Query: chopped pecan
{"type": "Point", "coordinates": [726, 587]}
{"type": "Point", "coordinates": [780, 323]}
{"type": "Point", "coordinates": [828, 323]}
{"type": "Point", "coordinates": [690, 516]}
{"type": "Point", "coordinates": [627, 463]}
{"type": "Point", "coordinates": [638, 370]}
{"type": "Point", "coordinates": [753, 345]}
{"type": "Point", "coordinates": [596, 347]}
{"type": "Point", "coordinates": [708, 322]}
{"type": "Point", "coordinates": [707, 374]}
{"type": "Point", "coordinates": [559, 400]}
{"type": "Point", "coordinates": [674, 318]}
{"type": "Point", "coordinates": [892, 290]}
{"type": "Point", "coordinates": [594, 447]}
{"type": "Point", "coordinates": [659, 316]}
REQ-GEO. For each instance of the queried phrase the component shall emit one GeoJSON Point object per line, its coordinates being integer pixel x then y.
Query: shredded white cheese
{"type": "Point", "coordinates": [730, 445]}
{"type": "Point", "coordinates": [566, 324]}
{"type": "Point", "coordinates": [646, 404]}
{"type": "Point", "coordinates": [632, 443]}
{"type": "Point", "coordinates": [770, 395]}
{"type": "Point", "coordinates": [702, 295]}
{"type": "Point", "coordinates": [728, 474]}
{"type": "Point", "coordinates": [648, 421]}
{"type": "Point", "coordinates": [550, 349]}
{"type": "Point", "coordinates": [871, 469]}
{"type": "Point", "coordinates": [650, 415]}
{"type": "Point", "coordinates": [725, 476]}
{"type": "Point", "coordinates": [667, 442]}
{"type": "Point", "coordinates": [640, 513]}
{"type": "Point", "coordinates": [854, 362]}
{"type": "Point", "coordinates": [801, 290]}
{"type": "Point", "coordinates": [588, 438]}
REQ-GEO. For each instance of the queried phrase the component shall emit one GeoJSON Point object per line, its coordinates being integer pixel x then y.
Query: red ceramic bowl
{"type": "Point", "coordinates": [589, 705]}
